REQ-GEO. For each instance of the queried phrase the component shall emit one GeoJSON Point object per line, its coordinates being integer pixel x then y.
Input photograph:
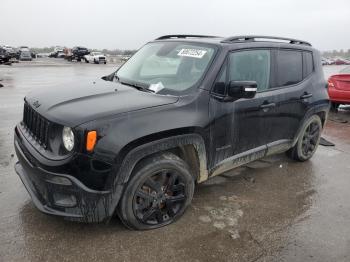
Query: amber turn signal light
{"type": "Point", "coordinates": [91, 140]}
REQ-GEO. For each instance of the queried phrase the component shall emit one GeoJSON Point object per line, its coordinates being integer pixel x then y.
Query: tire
{"type": "Point", "coordinates": [157, 194]}
{"type": "Point", "coordinates": [86, 61]}
{"type": "Point", "coordinates": [95, 62]}
{"type": "Point", "coordinates": [308, 140]}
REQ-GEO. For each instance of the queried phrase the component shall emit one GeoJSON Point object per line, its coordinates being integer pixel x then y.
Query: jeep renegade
{"type": "Point", "coordinates": [183, 109]}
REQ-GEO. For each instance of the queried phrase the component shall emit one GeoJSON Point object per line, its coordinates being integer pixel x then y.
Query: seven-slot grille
{"type": "Point", "coordinates": [36, 125]}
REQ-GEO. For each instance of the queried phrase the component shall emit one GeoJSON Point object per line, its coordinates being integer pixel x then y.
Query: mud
{"type": "Point", "coordinates": [273, 209]}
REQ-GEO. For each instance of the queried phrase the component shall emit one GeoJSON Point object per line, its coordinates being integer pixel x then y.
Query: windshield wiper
{"type": "Point", "coordinates": [138, 87]}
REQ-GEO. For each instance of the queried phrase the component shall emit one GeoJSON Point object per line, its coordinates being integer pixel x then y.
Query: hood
{"type": "Point", "coordinates": [80, 102]}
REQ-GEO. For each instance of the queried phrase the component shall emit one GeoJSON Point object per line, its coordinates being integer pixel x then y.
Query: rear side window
{"type": "Point", "coordinates": [251, 65]}
{"type": "Point", "coordinates": [289, 67]}
{"type": "Point", "coordinates": [308, 64]}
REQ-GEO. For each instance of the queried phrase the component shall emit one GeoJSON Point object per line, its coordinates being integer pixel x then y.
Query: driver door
{"type": "Point", "coordinates": [240, 127]}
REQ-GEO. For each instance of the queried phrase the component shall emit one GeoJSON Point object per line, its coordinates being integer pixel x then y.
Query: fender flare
{"type": "Point", "coordinates": [139, 152]}
{"type": "Point", "coordinates": [142, 151]}
{"type": "Point", "coordinates": [313, 111]}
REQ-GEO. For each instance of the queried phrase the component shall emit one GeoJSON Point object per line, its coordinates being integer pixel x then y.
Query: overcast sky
{"type": "Point", "coordinates": [128, 24]}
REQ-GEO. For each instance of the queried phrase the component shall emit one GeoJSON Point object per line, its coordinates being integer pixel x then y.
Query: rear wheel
{"type": "Point", "coordinates": [308, 140]}
{"type": "Point", "coordinates": [158, 193]}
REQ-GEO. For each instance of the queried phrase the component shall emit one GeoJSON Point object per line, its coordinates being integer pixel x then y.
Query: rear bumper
{"type": "Point", "coordinates": [61, 194]}
{"type": "Point", "coordinates": [339, 96]}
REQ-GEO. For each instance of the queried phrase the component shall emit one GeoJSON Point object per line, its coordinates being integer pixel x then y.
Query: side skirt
{"type": "Point", "coordinates": [246, 157]}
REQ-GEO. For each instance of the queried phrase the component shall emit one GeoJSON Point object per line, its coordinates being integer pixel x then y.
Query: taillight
{"type": "Point", "coordinates": [330, 84]}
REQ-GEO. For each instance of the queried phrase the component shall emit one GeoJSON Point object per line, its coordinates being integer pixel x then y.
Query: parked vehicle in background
{"type": "Point", "coordinates": [25, 55]}
{"type": "Point", "coordinates": [78, 52]}
{"type": "Point", "coordinates": [183, 109]}
{"type": "Point", "coordinates": [124, 58]}
{"type": "Point", "coordinates": [330, 61]}
{"type": "Point", "coordinates": [341, 61]}
{"type": "Point", "coordinates": [57, 52]}
{"type": "Point", "coordinates": [4, 56]}
{"type": "Point", "coordinates": [95, 57]}
{"type": "Point", "coordinates": [10, 50]}
{"type": "Point", "coordinates": [339, 88]}
{"type": "Point", "coordinates": [326, 61]}
{"type": "Point", "coordinates": [60, 54]}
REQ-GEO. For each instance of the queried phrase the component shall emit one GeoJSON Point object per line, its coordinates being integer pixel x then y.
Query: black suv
{"type": "Point", "coordinates": [183, 109]}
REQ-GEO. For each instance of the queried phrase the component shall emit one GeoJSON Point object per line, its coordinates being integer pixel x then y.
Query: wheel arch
{"type": "Point", "coordinates": [188, 144]}
{"type": "Point", "coordinates": [321, 111]}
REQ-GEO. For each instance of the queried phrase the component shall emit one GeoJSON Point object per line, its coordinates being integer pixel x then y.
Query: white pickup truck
{"type": "Point", "coordinates": [95, 57]}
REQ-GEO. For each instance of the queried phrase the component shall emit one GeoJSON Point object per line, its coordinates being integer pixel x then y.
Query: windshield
{"type": "Point", "coordinates": [167, 67]}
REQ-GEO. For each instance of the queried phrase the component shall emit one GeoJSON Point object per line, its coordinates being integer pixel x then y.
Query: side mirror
{"type": "Point", "coordinates": [242, 89]}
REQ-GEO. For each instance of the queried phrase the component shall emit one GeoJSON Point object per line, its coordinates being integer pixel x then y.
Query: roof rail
{"type": "Point", "coordinates": [254, 37]}
{"type": "Point", "coordinates": [184, 36]}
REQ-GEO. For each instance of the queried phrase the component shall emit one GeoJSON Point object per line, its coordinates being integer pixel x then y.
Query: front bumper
{"type": "Point", "coordinates": [25, 59]}
{"type": "Point", "coordinates": [61, 194]}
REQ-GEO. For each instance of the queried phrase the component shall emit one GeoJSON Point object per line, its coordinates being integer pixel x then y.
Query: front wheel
{"type": "Point", "coordinates": [158, 193]}
{"type": "Point", "coordinates": [308, 140]}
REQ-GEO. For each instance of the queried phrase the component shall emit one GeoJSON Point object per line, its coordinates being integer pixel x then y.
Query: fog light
{"type": "Point", "coordinates": [59, 180]}
{"type": "Point", "coordinates": [64, 200]}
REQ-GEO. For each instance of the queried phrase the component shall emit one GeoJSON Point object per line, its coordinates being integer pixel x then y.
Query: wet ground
{"type": "Point", "coordinates": [270, 210]}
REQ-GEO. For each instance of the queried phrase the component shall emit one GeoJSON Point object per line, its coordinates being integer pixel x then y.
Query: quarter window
{"type": "Point", "coordinates": [289, 67]}
{"type": "Point", "coordinates": [251, 65]}
{"type": "Point", "coordinates": [308, 64]}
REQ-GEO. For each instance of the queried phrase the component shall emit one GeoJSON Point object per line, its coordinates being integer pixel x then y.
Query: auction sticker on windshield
{"type": "Point", "coordinates": [197, 53]}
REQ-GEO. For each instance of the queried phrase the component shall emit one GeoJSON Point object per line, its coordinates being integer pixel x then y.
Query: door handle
{"type": "Point", "coordinates": [306, 95]}
{"type": "Point", "coordinates": [267, 106]}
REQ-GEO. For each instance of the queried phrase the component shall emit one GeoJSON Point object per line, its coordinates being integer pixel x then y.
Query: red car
{"type": "Point", "coordinates": [341, 61]}
{"type": "Point", "coordinates": [339, 88]}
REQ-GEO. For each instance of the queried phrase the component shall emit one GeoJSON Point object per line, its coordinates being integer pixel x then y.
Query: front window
{"type": "Point", "coordinates": [251, 65]}
{"type": "Point", "coordinates": [167, 67]}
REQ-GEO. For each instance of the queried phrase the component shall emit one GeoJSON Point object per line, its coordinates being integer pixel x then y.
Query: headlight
{"type": "Point", "coordinates": [68, 138]}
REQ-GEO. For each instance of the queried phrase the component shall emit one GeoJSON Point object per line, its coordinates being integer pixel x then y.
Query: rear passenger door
{"type": "Point", "coordinates": [290, 92]}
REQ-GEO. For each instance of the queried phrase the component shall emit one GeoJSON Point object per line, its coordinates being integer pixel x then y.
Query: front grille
{"type": "Point", "coordinates": [36, 125]}
{"type": "Point", "coordinates": [102, 58]}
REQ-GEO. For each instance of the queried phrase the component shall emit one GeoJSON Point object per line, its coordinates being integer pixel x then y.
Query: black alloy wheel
{"type": "Point", "coordinates": [160, 197]}
{"type": "Point", "coordinates": [308, 140]}
{"type": "Point", "coordinates": [160, 190]}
